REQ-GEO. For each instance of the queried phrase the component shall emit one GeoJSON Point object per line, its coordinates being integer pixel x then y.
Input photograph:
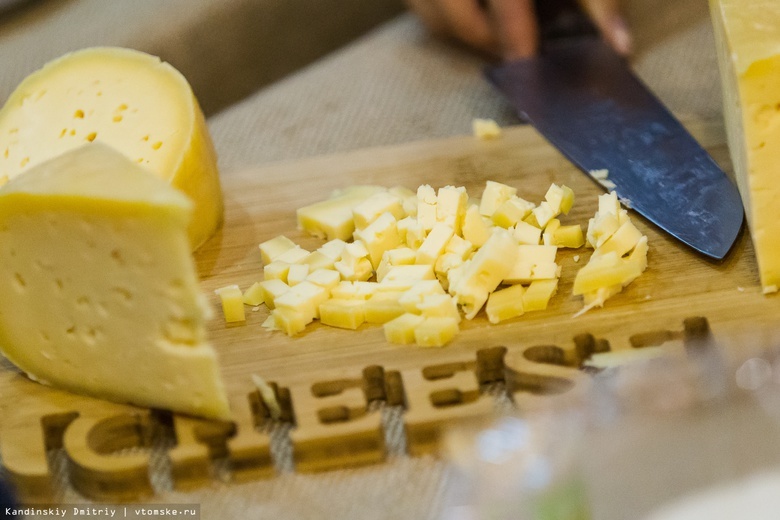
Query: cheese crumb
{"type": "Point", "coordinates": [485, 129]}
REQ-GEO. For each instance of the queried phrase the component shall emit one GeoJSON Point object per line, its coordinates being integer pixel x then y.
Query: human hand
{"type": "Point", "coordinates": [508, 28]}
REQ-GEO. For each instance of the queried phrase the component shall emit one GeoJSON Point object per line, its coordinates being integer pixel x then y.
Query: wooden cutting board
{"type": "Point", "coordinates": [324, 368]}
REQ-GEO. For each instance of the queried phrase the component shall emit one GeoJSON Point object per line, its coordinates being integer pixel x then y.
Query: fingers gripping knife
{"type": "Point", "coordinates": [581, 96]}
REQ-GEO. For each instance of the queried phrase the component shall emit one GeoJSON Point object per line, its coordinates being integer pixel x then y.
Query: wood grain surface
{"type": "Point", "coordinates": [261, 204]}
{"type": "Point", "coordinates": [322, 368]}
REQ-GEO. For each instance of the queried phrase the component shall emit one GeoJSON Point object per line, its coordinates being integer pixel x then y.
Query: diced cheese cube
{"type": "Point", "coordinates": [446, 262]}
{"type": "Point", "coordinates": [505, 304]}
{"type": "Point", "coordinates": [408, 200]}
{"type": "Point", "coordinates": [354, 290]}
{"type": "Point", "coordinates": [254, 295]}
{"type": "Point", "coordinates": [460, 246]}
{"type": "Point", "coordinates": [304, 298]}
{"type": "Point", "coordinates": [543, 213]}
{"type": "Point", "coordinates": [332, 218]}
{"type": "Point", "coordinates": [426, 207]}
{"type": "Point", "coordinates": [569, 236]}
{"type": "Point", "coordinates": [272, 289]}
{"type": "Point", "coordinates": [271, 249]}
{"type": "Point", "coordinates": [232, 303]}
{"type": "Point", "coordinates": [609, 204]}
{"type": "Point", "coordinates": [378, 237]}
{"type": "Point", "coordinates": [548, 237]}
{"type": "Point", "coordinates": [435, 331]}
{"type": "Point", "coordinates": [601, 227]}
{"type": "Point", "coordinates": [293, 255]}
{"type": "Point", "coordinates": [409, 272]}
{"type": "Point", "coordinates": [482, 274]}
{"type": "Point", "coordinates": [511, 212]}
{"type": "Point", "coordinates": [485, 129]}
{"type": "Point", "coordinates": [546, 271]}
{"type": "Point", "coordinates": [394, 257]}
{"type": "Point", "coordinates": [417, 293]}
{"type": "Point", "coordinates": [536, 254]}
{"type": "Point", "coordinates": [345, 314]}
{"type": "Point", "coordinates": [537, 295]}
{"type": "Point", "coordinates": [318, 260]}
{"type": "Point", "coordinates": [525, 233]}
{"type": "Point", "coordinates": [521, 272]}
{"type": "Point", "coordinates": [494, 195]}
{"type": "Point", "coordinates": [434, 243]}
{"type": "Point", "coordinates": [354, 264]}
{"type": "Point", "coordinates": [333, 248]}
{"type": "Point", "coordinates": [382, 310]}
{"type": "Point", "coordinates": [606, 270]}
{"type": "Point", "coordinates": [474, 229]}
{"type": "Point", "coordinates": [297, 274]}
{"type": "Point", "coordinates": [451, 206]}
{"type": "Point", "coordinates": [439, 305]}
{"type": "Point", "coordinates": [411, 232]}
{"type": "Point", "coordinates": [622, 241]}
{"type": "Point", "coordinates": [401, 329]}
{"type": "Point", "coordinates": [327, 278]}
{"type": "Point", "coordinates": [377, 204]}
{"type": "Point", "coordinates": [560, 198]}
{"type": "Point", "coordinates": [290, 321]}
{"type": "Point", "coordinates": [276, 270]}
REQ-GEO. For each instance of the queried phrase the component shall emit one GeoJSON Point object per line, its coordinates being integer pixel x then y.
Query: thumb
{"type": "Point", "coordinates": [606, 15]}
{"type": "Point", "coordinates": [514, 22]}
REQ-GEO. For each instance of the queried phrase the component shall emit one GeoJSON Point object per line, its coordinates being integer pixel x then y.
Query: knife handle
{"type": "Point", "coordinates": [562, 20]}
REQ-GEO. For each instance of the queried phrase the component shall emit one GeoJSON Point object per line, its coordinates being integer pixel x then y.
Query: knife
{"type": "Point", "coordinates": [583, 98]}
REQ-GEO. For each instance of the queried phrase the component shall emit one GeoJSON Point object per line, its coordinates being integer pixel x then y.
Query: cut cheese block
{"type": "Point", "coordinates": [748, 36]}
{"type": "Point", "coordinates": [128, 99]}
{"type": "Point", "coordinates": [98, 290]}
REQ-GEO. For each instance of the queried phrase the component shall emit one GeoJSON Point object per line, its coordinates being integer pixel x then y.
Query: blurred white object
{"type": "Point", "coordinates": [756, 498]}
{"type": "Point", "coordinates": [517, 468]}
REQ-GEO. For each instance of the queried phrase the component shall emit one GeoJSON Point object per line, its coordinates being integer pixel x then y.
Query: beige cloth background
{"type": "Point", "coordinates": [392, 85]}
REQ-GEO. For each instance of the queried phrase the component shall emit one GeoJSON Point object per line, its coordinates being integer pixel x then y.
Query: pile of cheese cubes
{"type": "Point", "coordinates": [414, 261]}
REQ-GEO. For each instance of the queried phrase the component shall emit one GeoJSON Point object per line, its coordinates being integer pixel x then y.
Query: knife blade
{"type": "Point", "coordinates": [584, 99]}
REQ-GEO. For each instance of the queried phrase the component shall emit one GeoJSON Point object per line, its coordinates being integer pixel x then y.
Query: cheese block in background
{"type": "Point", "coordinates": [128, 99]}
{"type": "Point", "coordinates": [98, 290]}
{"type": "Point", "coordinates": [748, 39]}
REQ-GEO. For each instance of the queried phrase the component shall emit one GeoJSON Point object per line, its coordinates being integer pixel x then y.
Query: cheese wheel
{"type": "Point", "coordinates": [130, 100]}
{"type": "Point", "coordinates": [98, 290]}
{"type": "Point", "coordinates": [748, 37]}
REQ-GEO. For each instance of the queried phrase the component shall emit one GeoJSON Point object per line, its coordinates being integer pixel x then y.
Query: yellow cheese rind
{"type": "Point", "coordinates": [98, 290]}
{"type": "Point", "coordinates": [747, 34]}
{"type": "Point", "coordinates": [127, 99]}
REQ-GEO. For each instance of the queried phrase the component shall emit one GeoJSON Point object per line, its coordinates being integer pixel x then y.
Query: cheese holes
{"type": "Point", "coordinates": [21, 283]}
{"type": "Point", "coordinates": [122, 293]}
{"type": "Point", "coordinates": [157, 145]}
{"type": "Point", "coordinates": [91, 136]}
{"type": "Point", "coordinates": [78, 114]}
{"type": "Point", "coordinates": [116, 255]}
